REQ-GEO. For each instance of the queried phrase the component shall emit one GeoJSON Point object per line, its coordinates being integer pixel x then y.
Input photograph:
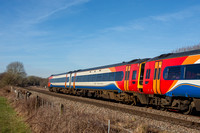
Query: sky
{"type": "Point", "coordinates": [56, 36]}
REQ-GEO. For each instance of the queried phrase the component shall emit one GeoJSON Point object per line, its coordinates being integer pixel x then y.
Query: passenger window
{"type": "Point", "coordinates": [148, 73]}
{"type": "Point", "coordinates": [105, 76]}
{"type": "Point", "coordinates": [111, 76]}
{"type": "Point", "coordinates": [172, 73]}
{"type": "Point", "coordinates": [119, 76]}
{"type": "Point", "coordinates": [192, 71]}
{"type": "Point", "coordinates": [134, 75]}
{"type": "Point", "coordinates": [89, 78]}
{"type": "Point", "coordinates": [155, 73]}
{"type": "Point", "coordinates": [99, 77]}
{"type": "Point", "coordinates": [159, 72]}
{"type": "Point", "coordinates": [94, 77]}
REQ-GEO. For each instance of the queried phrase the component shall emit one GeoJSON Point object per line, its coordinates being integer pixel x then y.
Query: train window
{"type": "Point", "coordinates": [82, 79]}
{"type": "Point", "coordinates": [58, 80]}
{"type": "Point", "coordinates": [90, 78]}
{"type": "Point", "coordinates": [128, 73]}
{"type": "Point", "coordinates": [159, 70]}
{"type": "Point", "coordinates": [86, 78]}
{"type": "Point", "coordinates": [192, 71]}
{"type": "Point", "coordinates": [94, 77]}
{"type": "Point", "coordinates": [99, 77]}
{"type": "Point", "coordinates": [148, 73]}
{"type": "Point", "coordinates": [78, 79]}
{"type": "Point", "coordinates": [119, 76]}
{"type": "Point", "coordinates": [111, 77]}
{"type": "Point", "coordinates": [155, 73]}
{"type": "Point", "coordinates": [105, 77]}
{"type": "Point", "coordinates": [134, 75]}
{"type": "Point", "coordinates": [172, 73]}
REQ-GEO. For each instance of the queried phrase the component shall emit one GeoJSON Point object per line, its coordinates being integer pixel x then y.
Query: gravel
{"type": "Point", "coordinates": [135, 122]}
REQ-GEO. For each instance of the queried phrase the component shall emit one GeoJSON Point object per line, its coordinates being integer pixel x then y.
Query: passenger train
{"type": "Point", "coordinates": [168, 81]}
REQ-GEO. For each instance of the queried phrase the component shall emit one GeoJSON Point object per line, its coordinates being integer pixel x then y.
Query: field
{"type": "Point", "coordinates": [74, 118]}
{"type": "Point", "coordinates": [44, 113]}
{"type": "Point", "coordinates": [9, 121]}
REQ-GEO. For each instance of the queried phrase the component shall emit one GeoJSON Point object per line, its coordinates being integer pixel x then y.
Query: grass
{"type": "Point", "coordinates": [9, 121]}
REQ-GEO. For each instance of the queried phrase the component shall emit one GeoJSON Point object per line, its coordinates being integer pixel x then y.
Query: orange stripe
{"type": "Point", "coordinates": [112, 69]}
{"type": "Point", "coordinates": [191, 59]}
{"type": "Point", "coordinates": [154, 80]}
{"type": "Point", "coordinates": [74, 80]}
{"type": "Point", "coordinates": [125, 79]}
{"type": "Point", "coordinates": [184, 84]}
{"type": "Point", "coordinates": [158, 81]}
{"type": "Point", "coordinates": [66, 82]}
{"type": "Point", "coordinates": [129, 67]}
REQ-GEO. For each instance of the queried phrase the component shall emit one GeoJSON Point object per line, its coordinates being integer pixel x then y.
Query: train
{"type": "Point", "coordinates": [167, 82]}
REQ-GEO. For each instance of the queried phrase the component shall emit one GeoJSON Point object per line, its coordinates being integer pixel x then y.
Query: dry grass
{"type": "Point", "coordinates": [49, 117]}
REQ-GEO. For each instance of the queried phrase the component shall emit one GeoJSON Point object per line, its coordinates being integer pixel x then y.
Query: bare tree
{"type": "Point", "coordinates": [15, 74]}
{"type": "Point", "coordinates": [16, 68]}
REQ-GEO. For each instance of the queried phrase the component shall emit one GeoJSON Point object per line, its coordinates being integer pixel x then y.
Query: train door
{"type": "Point", "coordinates": [140, 76]}
{"type": "Point", "coordinates": [74, 79]}
{"type": "Point", "coordinates": [133, 77]}
{"type": "Point", "coordinates": [66, 82]}
{"type": "Point", "coordinates": [156, 79]}
{"type": "Point", "coordinates": [126, 80]}
{"type": "Point", "coordinates": [70, 79]}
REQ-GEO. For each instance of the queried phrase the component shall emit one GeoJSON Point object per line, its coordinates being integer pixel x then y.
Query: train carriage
{"type": "Point", "coordinates": [168, 81]}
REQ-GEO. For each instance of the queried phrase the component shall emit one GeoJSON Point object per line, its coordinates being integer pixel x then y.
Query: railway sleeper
{"type": "Point", "coordinates": [183, 105]}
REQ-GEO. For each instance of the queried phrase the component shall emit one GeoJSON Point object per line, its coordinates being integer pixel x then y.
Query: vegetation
{"type": "Point", "coordinates": [15, 75]}
{"type": "Point", "coordinates": [45, 115]}
{"type": "Point", "coordinates": [189, 48]}
{"type": "Point", "coordinates": [9, 122]}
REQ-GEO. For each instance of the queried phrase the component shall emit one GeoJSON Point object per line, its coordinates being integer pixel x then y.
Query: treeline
{"type": "Point", "coordinates": [188, 48]}
{"type": "Point", "coordinates": [15, 75]}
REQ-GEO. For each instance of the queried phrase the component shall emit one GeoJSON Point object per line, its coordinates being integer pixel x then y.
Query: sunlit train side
{"type": "Point", "coordinates": [168, 81]}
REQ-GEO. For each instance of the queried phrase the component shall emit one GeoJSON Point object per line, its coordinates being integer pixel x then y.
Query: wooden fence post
{"type": "Point", "coordinates": [108, 126]}
{"type": "Point", "coordinates": [61, 108]}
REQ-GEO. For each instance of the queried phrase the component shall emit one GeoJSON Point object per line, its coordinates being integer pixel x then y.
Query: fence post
{"type": "Point", "coordinates": [36, 103]}
{"type": "Point", "coordinates": [61, 108]}
{"type": "Point", "coordinates": [11, 89]}
{"type": "Point", "coordinates": [108, 126]}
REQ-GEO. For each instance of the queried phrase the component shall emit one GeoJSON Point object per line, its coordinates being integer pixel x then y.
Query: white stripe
{"type": "Point", "coordinates": [98, 71]}
{"type": "Point", "coordinates": [194, 82]}
{"type": "Point", "coordinates": [61, 83]}
{"type": "Point", "coordinates": [59, 76]}
{"type": "Point", "coordinates": [94, 83]}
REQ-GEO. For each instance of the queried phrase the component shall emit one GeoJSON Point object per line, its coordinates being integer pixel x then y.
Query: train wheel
{"type": "Point", "coordinates": [188, 111]}
{"type": "Point", "coordinates": [135, 101]}
{"type": "Point", "coordinates": [163, 108]}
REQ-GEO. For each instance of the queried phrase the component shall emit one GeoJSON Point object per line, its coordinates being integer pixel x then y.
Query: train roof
{"type": "Point", "coordinates": [135, 61]}
{"type": "Point", "coordinates": [174, 55]}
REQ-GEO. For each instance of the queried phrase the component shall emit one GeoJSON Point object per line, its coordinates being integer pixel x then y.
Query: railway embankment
{"type": "Point", "coordinates": [10, 122]}
{"type": "Point", "coordinates": [47, 113]}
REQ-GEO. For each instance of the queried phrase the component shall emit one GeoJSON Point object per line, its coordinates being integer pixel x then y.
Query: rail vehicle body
{"type": "Point", "coordinates": [168, 81]}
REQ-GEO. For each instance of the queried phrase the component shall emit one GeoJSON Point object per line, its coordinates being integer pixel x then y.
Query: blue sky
{"type": "Point", "coordinates": [55, 36]}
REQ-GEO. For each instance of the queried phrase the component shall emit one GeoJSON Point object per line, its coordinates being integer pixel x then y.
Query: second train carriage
{"type": "Point", "coordinates": [167, 81]}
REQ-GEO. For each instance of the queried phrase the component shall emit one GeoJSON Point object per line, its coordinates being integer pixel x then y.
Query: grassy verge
{"type": "Point", "coordinates": [9, 121]}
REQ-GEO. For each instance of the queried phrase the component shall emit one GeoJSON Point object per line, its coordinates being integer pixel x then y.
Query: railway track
{"type": "Point", "coordinates": [124, 108]}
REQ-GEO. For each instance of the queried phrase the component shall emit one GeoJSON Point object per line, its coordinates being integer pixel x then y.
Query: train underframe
{"type": "Point", "coordinates": [161, 102]}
